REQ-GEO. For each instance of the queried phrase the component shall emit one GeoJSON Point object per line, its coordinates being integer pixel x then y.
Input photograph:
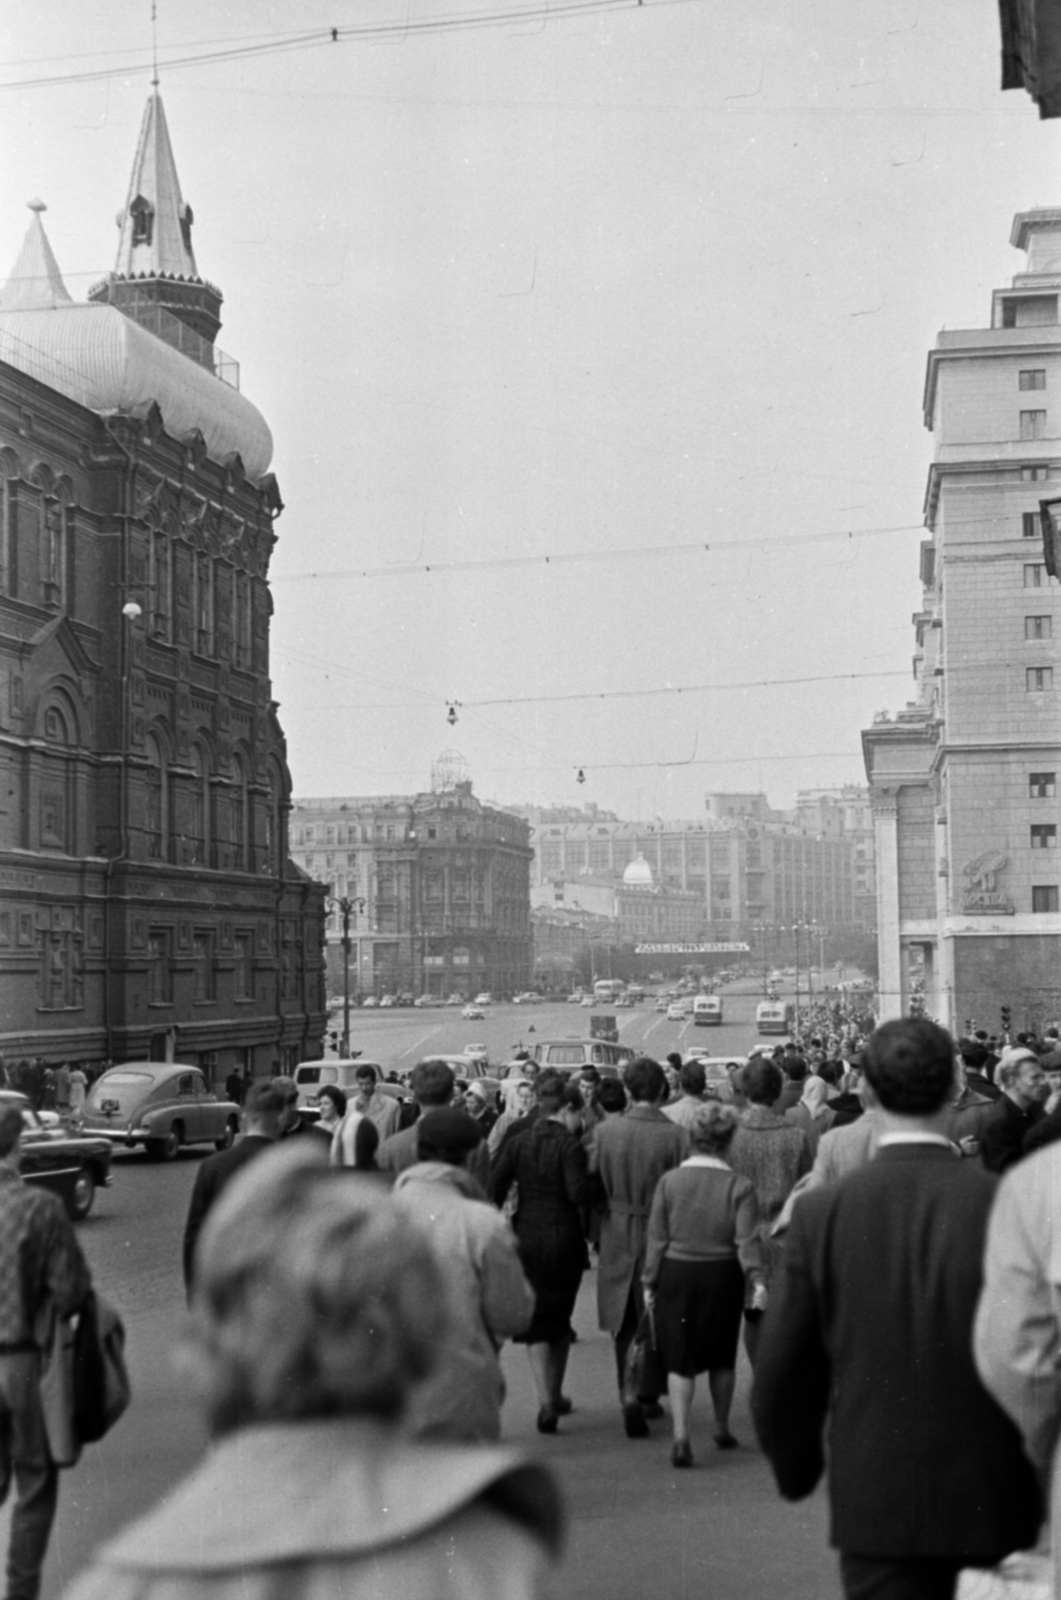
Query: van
{"type": "Point", "coordinates": [581, 1053]}
{"type": "Point", "coordinates": [311, 1076]}
{"type": "Point", "coordinates": [707, 1011]}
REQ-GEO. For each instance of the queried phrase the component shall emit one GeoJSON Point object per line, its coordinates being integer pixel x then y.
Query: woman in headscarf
{"type": "Point", "coordinates": [318, 1308]}
{"type": "Point", "coordinates": [813, 1113]}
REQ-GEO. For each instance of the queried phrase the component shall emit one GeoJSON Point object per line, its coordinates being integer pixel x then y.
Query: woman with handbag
{"type": "Point", "coordinates": [702, 1243]}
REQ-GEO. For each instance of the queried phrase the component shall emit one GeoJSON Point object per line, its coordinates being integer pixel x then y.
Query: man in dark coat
{"type": "Point", "coordinates": [262, 1116]}
{"type": "Point", "coordinates": [872, 1326]}
{"type": "Point", "coordinates": [631, 1153]}
{"type": "Point", "coordinates": [1024, 1088]}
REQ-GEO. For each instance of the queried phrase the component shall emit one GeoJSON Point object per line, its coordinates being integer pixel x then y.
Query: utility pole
{"type": "Point", "coordinates": [345, 906]}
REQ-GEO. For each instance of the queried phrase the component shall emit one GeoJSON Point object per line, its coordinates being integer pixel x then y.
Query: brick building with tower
{"type": "Point", "coordinates": [148, 907]}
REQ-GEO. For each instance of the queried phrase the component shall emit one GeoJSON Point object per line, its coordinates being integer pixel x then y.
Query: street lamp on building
{"type": "Point", "coordinates": [345, 905]}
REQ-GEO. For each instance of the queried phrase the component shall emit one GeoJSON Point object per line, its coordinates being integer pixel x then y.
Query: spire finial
{"type": "Point", "coordinates": [154, 44]}
{"type": "Point", "coordinates": [37, 205]}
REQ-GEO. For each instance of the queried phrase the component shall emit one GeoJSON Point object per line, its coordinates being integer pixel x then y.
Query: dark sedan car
{"type": "Point", "coordinates": [73, 1166]}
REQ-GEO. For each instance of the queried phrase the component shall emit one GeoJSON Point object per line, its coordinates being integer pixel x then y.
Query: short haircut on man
{"type": "Point", "coordinates": [645, 1079]}
{"type": "Point", "coordinates": [910, 1066]}
{"type": "Point", "coordinates": [550, 1091]}
{"type": "Point", "coordinates": [431, 1082]}
{"type": "Point", "coordinates": [795, 1068]}
{"type": "Point", "coordinates": [265, 1099]}
{"type": "Point", "coordinates": [611, 1096]}
{"type": "Point", "coordinates": [763, 1081]}
{"type": "Point", "coordinates": [10, 1127]}
{"type": "Point", "coordinates": [693, 1078]}
{"type": "Point", "coordinates": [446, 1135]}
{"type": "Point", "coordinates": [285, 1086]}
{"type": "Point", "coordinates": [365, 1070]}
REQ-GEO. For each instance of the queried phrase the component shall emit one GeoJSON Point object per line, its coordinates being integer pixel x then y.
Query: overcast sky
{"type": "Point", "coordinates": [595, 287]}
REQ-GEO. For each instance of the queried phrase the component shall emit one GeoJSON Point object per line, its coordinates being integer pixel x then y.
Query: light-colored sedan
{"type": "Point", "coordinates": [161, 1105]}
{"type": "Point", "coordinates": [473, 1012]}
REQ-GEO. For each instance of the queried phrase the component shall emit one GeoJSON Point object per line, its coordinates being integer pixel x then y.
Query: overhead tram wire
{"type": "Point", "coordinates": [542, 11]}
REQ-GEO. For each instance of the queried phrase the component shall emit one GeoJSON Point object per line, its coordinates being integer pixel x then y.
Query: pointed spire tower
{"type": "Point", "coordinates": [156, 263]}
{"type": "Point", "coordinates": [35, 284]}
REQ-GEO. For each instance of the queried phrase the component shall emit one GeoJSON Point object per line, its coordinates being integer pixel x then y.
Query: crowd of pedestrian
{"type": "Point", "coordinates": [837, 1199]}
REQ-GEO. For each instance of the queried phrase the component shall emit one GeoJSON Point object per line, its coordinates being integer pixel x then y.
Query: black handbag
{"type": "Point", "coordinates": [646, 1376]}
{"type": "Point", "coordinates": [102, 1390]}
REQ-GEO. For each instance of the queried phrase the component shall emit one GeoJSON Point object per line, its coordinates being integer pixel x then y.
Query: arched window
{"type": "Point", "coordinates": [199, 810]}
{"type": "Point", "coordinates": [159, 584]}
{"type": "Point", "coordinates": [143, 215]}
{"type": "Point", "coordinates": [157, 807]}
{"type": "Point", "coordinates": [240, 810]}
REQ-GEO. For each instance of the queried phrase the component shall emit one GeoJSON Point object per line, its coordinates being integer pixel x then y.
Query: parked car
{"type": "Point", "coordinates": [369, 1001]}
{"type": "Point", "coordinates": [473, 1013]}
{"type": "Point", "coordinates": [455, 1000]}
{"type": "Point", "coordinates": [422, 1001]}
{"type": "Point", "coordinates": [483, 999]}
{"type": "Point", "coordinates": [161, 1105]}
{"type": "Point", "coordinates": [387, 1000]}
{"type": "Point", "coordinates": [477, 1052]}
{"type": "Point", "coordinates": [71, 1165]}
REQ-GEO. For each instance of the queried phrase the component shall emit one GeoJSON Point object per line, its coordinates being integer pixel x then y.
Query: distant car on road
{"type": "Point", "coordinates": [473, 1012]}
{"type": "Point", "coordinates": [455, 1000]}
{"type": "Point", "coordinates": [483, 999]}
{"type": "Point", "coordinates": [676, 1011]}
{"type": "Point", "coordinates": [161, 1105]}
{"type": "Point", "coordinates": [663, 1004]}
{"type": "Point", "coordinates": [71, 1165]}
{"type": "Point", "coordinates": [477, 1052]}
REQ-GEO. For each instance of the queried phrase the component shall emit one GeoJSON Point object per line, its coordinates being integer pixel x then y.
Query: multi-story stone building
{"type": "Point", "coordinates": [439, 886]}
{"type": "Point", "coordinates": [147, 905]}
{"type": "Point", "coordinates": [743, 867]}
{"type": "Point", "coordinates": [964, 781]}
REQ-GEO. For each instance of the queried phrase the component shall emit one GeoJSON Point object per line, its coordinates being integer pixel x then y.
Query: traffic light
{"type": "Point", "coordinates": [1006, 1018]}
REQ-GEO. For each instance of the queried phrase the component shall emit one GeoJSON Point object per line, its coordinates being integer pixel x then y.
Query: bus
{"type": "Point", "coordinates": [775, 1016]}
{"type": "Point", "coordinates": [607, 990]}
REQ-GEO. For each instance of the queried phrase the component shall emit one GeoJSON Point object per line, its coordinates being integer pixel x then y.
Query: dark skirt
{"type": "Point", "coordinates": [698, 1311]}
{"type": "Point", "coordinates": [555, 1286]}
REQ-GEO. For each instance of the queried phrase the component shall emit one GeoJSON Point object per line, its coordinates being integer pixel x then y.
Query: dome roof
{"type": "Point", "coordinates": [108, 363]}
{"type": "Point", "coordinates": [638, 874]}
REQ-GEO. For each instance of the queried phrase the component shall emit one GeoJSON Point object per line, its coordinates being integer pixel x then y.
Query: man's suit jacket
{"type": "Point", "coordinates": [398, 1153]}
{"type": "Point", "coordinates": [1003, 1134]}
{"type": "Point", "coordinates": [213, 1174]}
{"type": "Point", "coordinates": [872, 1325]}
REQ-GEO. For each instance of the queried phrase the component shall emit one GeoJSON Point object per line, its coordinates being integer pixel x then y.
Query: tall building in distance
{"type": "Point", "coordinates": [964, 779]}
{"type": "Point", "coordinates": [148, 907]}
{"type": "Point", "coordinates": [742, 872]}
{"type": "Point", "coordinates": [438, 883]}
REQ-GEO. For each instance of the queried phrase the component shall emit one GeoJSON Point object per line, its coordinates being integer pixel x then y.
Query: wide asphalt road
{"type": "Point", "coordinates": [638, 1528]}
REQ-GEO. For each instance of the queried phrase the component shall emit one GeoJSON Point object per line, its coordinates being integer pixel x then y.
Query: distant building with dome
{"type": "Point", "coordinates": [148, 907]}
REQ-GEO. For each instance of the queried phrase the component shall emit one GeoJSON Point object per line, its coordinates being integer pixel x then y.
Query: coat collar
{"type": "Point", "coordinates": [291, 1491]}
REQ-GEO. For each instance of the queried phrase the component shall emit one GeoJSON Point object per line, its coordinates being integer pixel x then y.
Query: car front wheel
{"type": "Point", "coordinates": [82, 1196]}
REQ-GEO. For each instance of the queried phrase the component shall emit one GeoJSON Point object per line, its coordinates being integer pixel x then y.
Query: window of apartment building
{"type": "Point", "coordinates": [308, 835]}
{"type": "Point", "coordinates": [159, 975]}
{"type": "Point", "coordinates": [1038, 679]}
{"type": "Point", "coordinates": [1032, 378]}
{"type": "Point", "coordinates": [1033, 424]}
{"type": "Point", "coordinates": [204, 985]}
{"type": "Point", "coordinates": [1044, 835]}
{"type": "Point", "coordinates": [1044, 897]}
{"type": "Point", "coordinates": [1042, 785]}
{"type": "Point", "coordinates": [1033, 575]}
{"type": "Point", "coordinates": [1038, 627]}
{"type": "Point", "coordinates": [1030, 524]}
{"type": "Point", "coordinates": [244, 984]}
{"type": "Point", "coordinates": [1034, 474]}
